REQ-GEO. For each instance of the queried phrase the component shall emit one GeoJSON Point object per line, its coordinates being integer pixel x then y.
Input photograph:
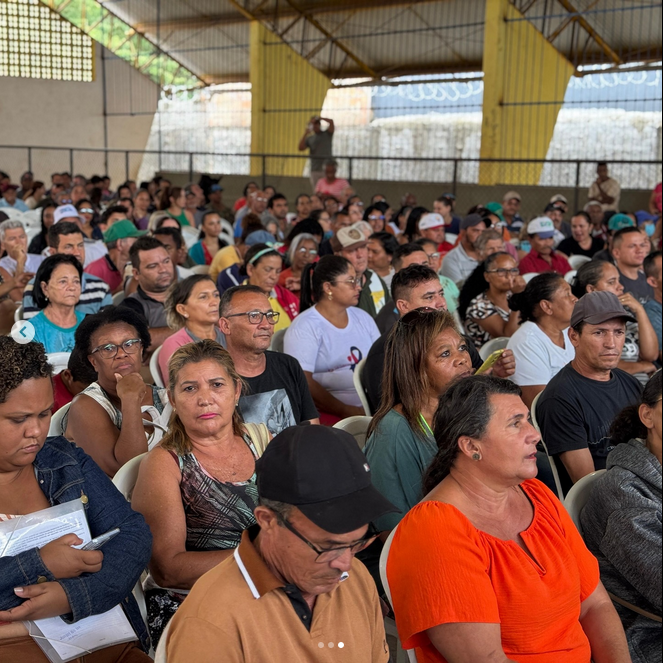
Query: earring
{"type": "Point", "coordinates": [186, 317]}
{"type": "Point", "coordinates": [476, 456]}
{"type": "Point", "coordinates": [329, 294]}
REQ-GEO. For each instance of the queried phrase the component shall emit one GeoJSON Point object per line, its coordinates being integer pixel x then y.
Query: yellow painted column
{"type": "Point", "coordinates": [286, 91]}
{"type": "Point", "coordinates": [525, 80]}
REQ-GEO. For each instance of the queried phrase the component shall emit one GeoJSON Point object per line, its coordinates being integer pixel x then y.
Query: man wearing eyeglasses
{"type": "Point", "coordinates": [276, 392]}
{"type": "Point", "coordinates": [293, 590]}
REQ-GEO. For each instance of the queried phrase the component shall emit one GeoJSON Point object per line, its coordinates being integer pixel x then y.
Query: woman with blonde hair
{"type": "Point", "coordinates": [197, 490]}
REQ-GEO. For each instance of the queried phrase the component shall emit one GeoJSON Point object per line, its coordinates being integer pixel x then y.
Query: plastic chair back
{"type": "Point", "coordinates": [577, 262]}
{"type": "Point", "coordinates": [356, 379]}
{"type": "Point", "coordinates": [569, 276]}
{"type": "Point", "coordinates": [125, 478]}
{"type": "Point", "coordinates": [190, 236]}
{"type": "Point", "coordinates": [200, 269]}
{"type": "Point", "coordinates": [579, 496]}
{"type": "Point", "coordinates": [18, 313]}
{"type": "Point", "coordinates": [277, 341]}
{"type": "Point", "coordinates": [118, 298]}
{"type": "Point", "coordinates": [450, 237]}
{"type": "Point", "coordinates": [384, 555]}
{"type": "Point", "coordinates": [58, 360]}
{"type": "Point", "coordinates": [154, 368]}
{"type": "Point", "coordinates": [357, 427]}
{"type": "Point", "coordinates": [487, 349]}
{"type": "Point", "coordinates": [529, 276]}
{"type": "Point", "coordinates": [55, 428]}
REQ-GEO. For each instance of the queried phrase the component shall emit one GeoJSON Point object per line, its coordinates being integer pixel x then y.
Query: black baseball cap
{"type": "Point", "coordinates": [323, 472]}
{"type": "Point", "coordinates": [471, 221]}
{"type": "Point", "coordinates": [596, 307]}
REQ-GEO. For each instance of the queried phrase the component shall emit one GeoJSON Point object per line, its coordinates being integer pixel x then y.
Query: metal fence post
{"type": "Point", "coordinates": [30, 159]}
{"type": "Point", "coordinates": [264, 171]}
{"type": "Point", "coordinates": [71, 161]}
{"type": "Point", "coordinates": [126, 165]}
{"type": "Point", "coordinates": [576, 202]}
{"type": "Point", "coordinates": [190, 166]}
{"type": "Point", "coordinates": [454, 184]}
{"type": "Point", "coordinates": [350, 169]}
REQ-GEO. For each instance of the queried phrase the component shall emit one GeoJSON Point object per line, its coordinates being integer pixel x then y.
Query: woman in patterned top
{"type": "Point", "coordinates": [197, 490]}
{"type": "Point", "coordinates": [483, 304]}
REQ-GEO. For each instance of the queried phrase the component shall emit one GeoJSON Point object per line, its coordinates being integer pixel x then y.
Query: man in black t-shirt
{"type": "Point", "coordinates": [630, 247]}
{"type": "Point", "coordinates": [276, 392]}
{"type": "Point", "coordinates": [577, 408]}
{"type": "Point", "coordinates": [417, 286]}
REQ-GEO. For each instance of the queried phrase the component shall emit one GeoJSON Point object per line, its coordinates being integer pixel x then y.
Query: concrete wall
{"type": "Point", "coordinates": [71, 115]}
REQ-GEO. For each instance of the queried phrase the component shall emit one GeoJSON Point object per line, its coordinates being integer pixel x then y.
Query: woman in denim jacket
{"type": "Point", "coordinates": [36, 473]}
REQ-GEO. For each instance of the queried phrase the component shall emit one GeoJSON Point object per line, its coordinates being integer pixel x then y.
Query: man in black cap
{"type": "Point", "coordinates": [579, 404]}
{"type": "Point", "coordinates": [460, 262]}
{"type": "Point", "coordinates": [293, 590]}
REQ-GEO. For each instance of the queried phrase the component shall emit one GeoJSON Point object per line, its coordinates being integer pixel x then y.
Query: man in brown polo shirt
{"type": "Point", "coordinates": [293, 591]}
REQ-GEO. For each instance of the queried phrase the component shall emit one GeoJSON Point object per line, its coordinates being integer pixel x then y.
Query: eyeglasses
{"type": "Point", "coordinates": [502, 271]}
{"type": "Point", "coordinates": [353, 283]}
{"type": "Point", "coordinates": [86, 210]}
{"type": "Point", "coordinates": [262, 200]}
{"type": "Point", "coordinates": [376, 218]}
{"type": "Point", "coordinates": [432, 257]}
{"type": "Point", "coordinates": [311, 252]}
{"type": "Point", "coordinates": [325, 555]}
{"type": "Point", "coordinates": [256, 317]}
{"type": "Point", "coordinates": [110, 350]}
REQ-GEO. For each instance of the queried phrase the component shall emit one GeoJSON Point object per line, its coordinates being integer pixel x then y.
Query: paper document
{"type": "Point", "coordinates": [60, 641]}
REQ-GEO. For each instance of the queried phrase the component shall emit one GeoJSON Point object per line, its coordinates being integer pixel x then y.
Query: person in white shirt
{"type": "Point", "coordinates": [541, 344]}
{"type": "Point", "coordinates": [331, 336]}
{"type": "Point", "coordinates": [461, 261]}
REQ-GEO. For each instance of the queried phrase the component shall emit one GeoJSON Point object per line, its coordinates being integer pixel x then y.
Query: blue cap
{"type": "Point", "coordinates": [215, 187]}
{"type": "Point", "coordinates": [260, 237]}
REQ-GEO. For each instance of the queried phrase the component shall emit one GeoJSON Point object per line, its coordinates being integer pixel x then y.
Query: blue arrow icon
{"type": "Point", "coordinates": [22, 332]}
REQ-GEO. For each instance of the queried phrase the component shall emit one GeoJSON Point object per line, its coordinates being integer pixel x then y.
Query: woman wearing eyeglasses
{"type": "Point", "coordinates": [197, 489]}
{"type": "Point", "coordinates": [303, 251]}
{"type": "Point", "coordinates": [262, 267]}
{"type": "Point", "coordinates": [331, 336]}
{"type": "Point", "coordinates": [483, 304]}
{"type": "Point", "coordinates": [88, 217]}
{"type": "Point", "coordinates": [192, 308]}
{"type": "Point", "coordinates": [118, 417]}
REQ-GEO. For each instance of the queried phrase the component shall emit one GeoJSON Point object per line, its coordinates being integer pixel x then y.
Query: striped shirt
{"type": "Point", "coordinates": [95, 294]}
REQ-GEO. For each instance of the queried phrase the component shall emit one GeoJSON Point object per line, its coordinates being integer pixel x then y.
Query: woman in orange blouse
{"type": "Point", "coordinates": [489, 567]}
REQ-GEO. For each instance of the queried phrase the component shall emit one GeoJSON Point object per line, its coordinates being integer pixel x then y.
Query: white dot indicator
{"type": "Point", "coordinates": [321, 645]}
{"type": "Point", "coordinates": [330, 645]}
{"type": "Point", "coordinates": [341, 645]}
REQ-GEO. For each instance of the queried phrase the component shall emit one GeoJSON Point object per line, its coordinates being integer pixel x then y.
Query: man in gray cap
{"type": "Point", "coordinates": [577, 407]}
{"type": "Point", "coordinates": [460, 262]}
{"type": "Point", "coordinates": [293, 590]}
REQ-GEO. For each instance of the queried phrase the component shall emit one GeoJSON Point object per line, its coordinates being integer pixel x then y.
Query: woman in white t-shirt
{"type": "Point", "coordinates": [331, 336]}
{"type": "Point", "coordinates": [541, 344]}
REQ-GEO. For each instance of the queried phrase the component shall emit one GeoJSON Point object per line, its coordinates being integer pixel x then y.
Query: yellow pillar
{"type": "Point", "coordinates": [525, 80]}
{"type": "Point", "coordinates": [286, 91]}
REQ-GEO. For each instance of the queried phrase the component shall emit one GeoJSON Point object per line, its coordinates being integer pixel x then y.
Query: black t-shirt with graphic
{"type": "Point", "coordinates": [575, 412]}
{"type": "Point", "coordinates": [279, 397]}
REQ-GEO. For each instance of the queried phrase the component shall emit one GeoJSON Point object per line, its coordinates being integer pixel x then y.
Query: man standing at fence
{"type": "Point", "coordinates": [319, 143]}
{"type": "Point", "coordinates": [605, 189]}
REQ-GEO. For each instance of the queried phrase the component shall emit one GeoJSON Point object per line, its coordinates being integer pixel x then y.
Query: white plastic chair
{"type": "Point", "coordinates": [13, 214]}
{"type": "Point", "coordinates": [227, 229]}
{"type": "Point", "coordinates": [569, 276]}
{"type": "Point", "coordinates": [529, 276]}
{"type": "Point", "coordinates": [357, 427]}
{"type": "Point", "coordinates": [18, 313]}
{"type": "Point", "coordinates": [58, 360]}
{"type": "Point", "coordinates": [579, 495]}
{"type": "Point", "coordinates": [551, 460]}
{"type": "Point", "coordinates": [200, 269]}
{"type": "Point", "coordinates": [577, 262]}
{"type": "Point", "coordinates": [450, 237]}
{"type": "Point", "coordinates": [227, 238]}
{"type": "Point", "coordinates": [356, 380]}
{"type": "Point", "coordinates": [277, 341]}
{"type": "Point", "coordinates": [55, 427]}
{"type": "Point", "coordinates": [32, 218]}
{"type": "Point", "coordinates": [154, 368]}
{"type": "Point", "coordinates": [487, 349]}
{"type": "Point", "coordinates": [118, 298]}
{"type": "Point", "coordinates": [384, 555]}
{"type": "Point", "coordinates": [160, 655]}
{"type": "Point", "coordinates": [190, 236]}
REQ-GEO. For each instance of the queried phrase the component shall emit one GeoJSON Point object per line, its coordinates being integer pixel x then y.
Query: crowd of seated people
{"type": "Point", "coordinates": [265, 332]}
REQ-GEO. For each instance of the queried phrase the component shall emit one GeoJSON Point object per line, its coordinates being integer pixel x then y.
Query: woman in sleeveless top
{"type": "Point", "coordinates": [197, 489]}
{"type": "Point", "coordinates": [117, 417]}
